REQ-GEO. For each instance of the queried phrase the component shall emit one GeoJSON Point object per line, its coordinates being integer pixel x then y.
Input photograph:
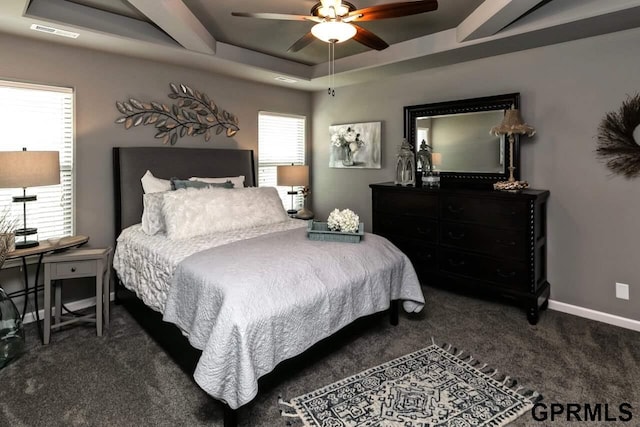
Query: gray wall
{"type": "Point", "coordinates": [566, 90]}
{"type": "Point", "coordinates": [99, 80]}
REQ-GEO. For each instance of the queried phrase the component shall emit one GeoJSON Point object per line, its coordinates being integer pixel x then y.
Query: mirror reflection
{"type": "Point", "coordinates": [462, 143]}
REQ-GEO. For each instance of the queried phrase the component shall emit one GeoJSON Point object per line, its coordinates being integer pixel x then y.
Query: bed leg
{"type": "Point", "coordinates": [230, 416]}
{"type": "Point", "coordinates": [394, 312]}
{"type": "Point", "coordinates": [117, 285]}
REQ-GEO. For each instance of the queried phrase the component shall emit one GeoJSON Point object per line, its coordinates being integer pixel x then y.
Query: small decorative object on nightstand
{"type": "Point", "coordinates": [511, 125]}
{"type": "Point", "coordinates": [73, 264]}
{"type": "Point", "coordinates": [305, 213]}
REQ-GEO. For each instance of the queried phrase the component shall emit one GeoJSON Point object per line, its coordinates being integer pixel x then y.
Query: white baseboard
{"type": "Point", "coordinates": [74, 306]}
{"type": "Point", "coordinates": [599, 316]}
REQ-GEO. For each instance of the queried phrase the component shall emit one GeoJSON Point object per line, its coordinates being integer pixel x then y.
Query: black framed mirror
{"type": "Point", "coordinates": [465, 153]}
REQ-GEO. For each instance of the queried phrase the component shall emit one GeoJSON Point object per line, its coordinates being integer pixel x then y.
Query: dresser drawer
{"type": "Point", "coordinates": [502, 243]}
{"type": "Point", "coordinates": [422, 256]}
{"type": "Point", "coordinates": [406, 226]}
{"type": "Point", "coordinates": [406, 203]}
{"type": "Point", "coordinates": [498, 213]}
{"type": "Point", "coordinates": [67, 270]}
{"type": "Point", "coordinates": [508, 274]}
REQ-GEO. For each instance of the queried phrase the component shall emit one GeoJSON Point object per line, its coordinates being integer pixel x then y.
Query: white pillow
{"type": "Point", "coordinates": [238, 181]}
{"type": "Point", "coordinates": [152, 218]}
{"type": "Point", "coordinates": [193, 212]}
{"type": "Point", "coordinates": [151, 184]}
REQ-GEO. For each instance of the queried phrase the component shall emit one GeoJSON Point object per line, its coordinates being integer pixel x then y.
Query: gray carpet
{"type": "Point", "coordinates": [125, 379]}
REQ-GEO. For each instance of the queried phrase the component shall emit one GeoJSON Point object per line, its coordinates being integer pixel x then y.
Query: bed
{"type": "Point", "coordinates": [246, 299]}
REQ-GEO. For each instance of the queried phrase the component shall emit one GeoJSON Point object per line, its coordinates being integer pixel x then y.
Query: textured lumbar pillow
{"type": "Point", "coordinates": [152, 218]}
{"type": "Point", "coordinates": [194, 212]}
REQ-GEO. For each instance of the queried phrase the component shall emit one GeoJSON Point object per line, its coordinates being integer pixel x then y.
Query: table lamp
{"type": "Point", "coordinates": [22, 169]}
{"type": "Point", "coordinates": [511, 125]}
{"type": "Point", "coordinates": [294, 176]}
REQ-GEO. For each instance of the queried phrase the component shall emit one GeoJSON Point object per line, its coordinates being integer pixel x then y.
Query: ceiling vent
{"type": "Point", "coordinates": [54, 31]}
{"type": "Point", "coordinates": [286, 79]}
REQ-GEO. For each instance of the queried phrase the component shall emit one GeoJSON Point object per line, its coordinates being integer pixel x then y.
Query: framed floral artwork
{"type": "Point", "coordinates": [355, 145]}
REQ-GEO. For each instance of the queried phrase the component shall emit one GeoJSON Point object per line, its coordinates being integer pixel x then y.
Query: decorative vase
{"type": "Point", "coordinates": [347, 159]}
{"type": "Point", "coordinates": [11, 331]}
{"type": "Point", "coordinates": [7, 244]}
{"type": "Point", "coordinates": [9, 240]}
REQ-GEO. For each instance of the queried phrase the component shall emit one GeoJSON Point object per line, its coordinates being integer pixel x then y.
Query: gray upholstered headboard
{"type": "Point", "coordinates": [130, 163]}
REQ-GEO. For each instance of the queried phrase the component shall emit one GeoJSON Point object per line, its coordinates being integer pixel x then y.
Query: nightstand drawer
{"type": "Point", "coordinates": [70, 269]}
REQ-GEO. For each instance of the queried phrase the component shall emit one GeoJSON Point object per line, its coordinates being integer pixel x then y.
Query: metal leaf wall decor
{"type": "Point", "coordinates": [193, 114]}
{"type": "Point", "coordinates": [616, 143]}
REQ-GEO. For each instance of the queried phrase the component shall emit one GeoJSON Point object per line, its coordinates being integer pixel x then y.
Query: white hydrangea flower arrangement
{"type": "Point", "coordinates": [345, 221]}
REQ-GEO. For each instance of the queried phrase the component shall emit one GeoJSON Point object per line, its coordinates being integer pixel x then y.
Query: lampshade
{"type": "Point", "coordinates": [333, 31]}
{"type": "Point", "coordinates": [21, 169]}
{"type": "Point", "coordinates": [512, 124]}
{"type": "Point", "coordinates": [436, 158]}
{"type": "Point", "coordinates": [293, 175]}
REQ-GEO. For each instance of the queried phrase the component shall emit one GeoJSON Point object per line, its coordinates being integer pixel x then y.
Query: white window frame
{"type": "Point", "coordinates": [25, 137]}
{"type": "Point", "coordinates": [267, 167]}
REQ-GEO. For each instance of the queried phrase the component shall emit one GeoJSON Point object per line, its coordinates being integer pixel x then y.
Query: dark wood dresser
{"type": "Point", "coordinates": [487, 241]}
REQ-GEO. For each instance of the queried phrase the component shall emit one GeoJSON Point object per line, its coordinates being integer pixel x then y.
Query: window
{"type": "Point", "coordinates": [40, 118]}
{"type": "Point", "coordinates": [281, 141]}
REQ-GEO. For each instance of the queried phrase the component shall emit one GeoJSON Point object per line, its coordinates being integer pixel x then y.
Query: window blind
{"type": "Point", "coordinates": [40, 118]}
{"type": "Point", "coordinates": [281, 141]}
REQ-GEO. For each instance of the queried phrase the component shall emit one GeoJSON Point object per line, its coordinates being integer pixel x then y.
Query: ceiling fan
{"type": "Point", "coordinates": [335, 20]}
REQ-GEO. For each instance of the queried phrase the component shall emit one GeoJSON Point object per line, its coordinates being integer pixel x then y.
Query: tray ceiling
{"type": "Point", "coordinates": [203, 34]}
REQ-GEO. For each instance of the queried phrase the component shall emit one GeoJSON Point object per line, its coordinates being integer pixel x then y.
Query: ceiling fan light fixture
{"type": "Point", "coordinates": [333, 11]}
{"type": "Point", "coordinates": [333, 31]}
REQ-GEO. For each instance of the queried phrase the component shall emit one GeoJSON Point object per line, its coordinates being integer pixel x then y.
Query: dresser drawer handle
{"type": "Point", "coordinates": [73, 269]}
{"type": "Point", "coordinates": [455, 263]}
{"type": "Point", "coordinates": [504, 243]}
{"type": "Point", "coordinates": [453, 209]}
{"type": "Point", "coordinates": [506, 275]}
{"type": "Point", "coordinates": [420, 230]}
{"type": "Point", "coordinates": [454, 236]}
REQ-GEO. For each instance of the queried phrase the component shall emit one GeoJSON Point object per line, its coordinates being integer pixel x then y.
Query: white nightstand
{"type": "Point", "coordinates": [74, 264]}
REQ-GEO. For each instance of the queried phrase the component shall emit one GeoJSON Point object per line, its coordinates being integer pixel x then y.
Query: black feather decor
{"type": "Point", "coordinates": [616, 144]}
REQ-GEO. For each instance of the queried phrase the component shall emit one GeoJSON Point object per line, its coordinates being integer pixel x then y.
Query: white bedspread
{"type": "Point", "coordinates": [145, 264]}
{"type": "Point", "coordinates": [253, 303]}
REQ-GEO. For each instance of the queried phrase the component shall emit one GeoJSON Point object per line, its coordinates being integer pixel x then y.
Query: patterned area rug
{"type": "Point", "coordinates": [435, 386]}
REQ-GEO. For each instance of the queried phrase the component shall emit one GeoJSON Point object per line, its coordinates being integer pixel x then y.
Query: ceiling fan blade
{"type": "Point", "coordinates": [302, 42]}
{"type": "Point", "coordinates": [369, 39]}
{"type": "Point", "coordinates": [280, 16]}
{"type": "Point", "coordinates": [394, 10]}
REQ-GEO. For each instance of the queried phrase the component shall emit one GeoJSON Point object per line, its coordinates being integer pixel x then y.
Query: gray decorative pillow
{"type": "Point", "coordinates": [177, 184]}
{"type": "Point", "coordinates": [152, 217]}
